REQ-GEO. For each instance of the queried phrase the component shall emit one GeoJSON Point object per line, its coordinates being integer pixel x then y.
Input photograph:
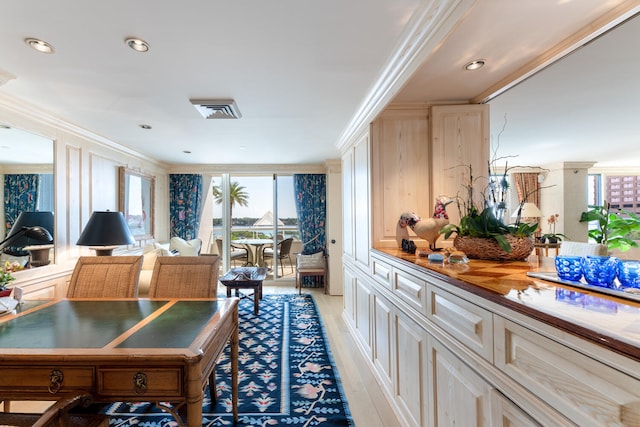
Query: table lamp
{"type": "Point", "coordinates": [528, 210]}
{"type": "Point", "coordinates": [105, 231]}
{"type": "Point", "coordinates": [31, 232]}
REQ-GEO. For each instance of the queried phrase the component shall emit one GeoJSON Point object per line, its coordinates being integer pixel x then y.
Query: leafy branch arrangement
{"type": "Point", "coordinates": [481, 221]}
{"type": "Point", "coordinates": [486, 218]}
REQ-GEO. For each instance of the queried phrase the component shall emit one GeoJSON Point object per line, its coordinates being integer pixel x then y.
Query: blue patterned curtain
{"type": "Point", "coordinates": [20, 195]}
{"type": "Point", "coordinates": [185, 204]}
{"type": "Point", "coordinates": [311, 196]}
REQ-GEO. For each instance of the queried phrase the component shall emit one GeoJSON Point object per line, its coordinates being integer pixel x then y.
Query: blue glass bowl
{"type": "Point", "coordinates": [600, 270]}
{"type": "Point", "coordinates": [629, 274]}
{"type": "Point", "coordinates": [569, 267]}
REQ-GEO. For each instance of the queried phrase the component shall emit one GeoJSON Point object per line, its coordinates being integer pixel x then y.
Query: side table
{"type": "Point", "coordinates": [546, 246]}
{"type": "Point", "coordinates": [245, 278]}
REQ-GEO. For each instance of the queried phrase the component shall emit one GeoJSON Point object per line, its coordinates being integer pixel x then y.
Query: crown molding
{"type": "Point", "coordinates": [50, 126]}
{"type": "Point", "coordinates": [428, 26]}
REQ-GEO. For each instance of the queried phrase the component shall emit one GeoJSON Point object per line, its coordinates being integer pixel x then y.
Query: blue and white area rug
{"type": "Point", "coordinates": [287, 374]}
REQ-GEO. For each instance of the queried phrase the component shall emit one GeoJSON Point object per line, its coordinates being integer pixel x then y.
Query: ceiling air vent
{"type": "Point", "coordinates": [217, 108]}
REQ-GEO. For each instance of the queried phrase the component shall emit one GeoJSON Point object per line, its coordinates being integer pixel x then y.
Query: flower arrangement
{"type": "Point", "coordinates": [5, 273]}
{"type": "Point", "coordinates": [483, 216]}
{"type": "Point", "coordinates": [485, 219]}
{"type": "Point", "coordinates": [552, 236]}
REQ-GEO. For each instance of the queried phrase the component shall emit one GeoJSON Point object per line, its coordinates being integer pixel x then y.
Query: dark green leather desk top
{"type": "Point", "coordinates": [97, 323]}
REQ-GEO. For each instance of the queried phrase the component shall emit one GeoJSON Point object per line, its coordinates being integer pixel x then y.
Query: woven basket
{"type": "Point", "coordinates": [488, 248]}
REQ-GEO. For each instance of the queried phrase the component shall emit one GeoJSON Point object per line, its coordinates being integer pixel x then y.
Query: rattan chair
{"type": "Point", "coordinates": [105, 277]}
{"type": "Point", "coordinates": [185, 277]}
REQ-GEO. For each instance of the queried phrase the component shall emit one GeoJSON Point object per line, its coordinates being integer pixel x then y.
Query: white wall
{"type": "Point", "coordinates": [86, 179]}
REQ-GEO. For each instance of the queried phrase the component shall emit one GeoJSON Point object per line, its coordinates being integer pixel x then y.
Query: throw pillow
{"type": "Point", "coordinates": [164, 246]}
{"type": "Point", "coordinates": [184, 247]}
{"type": "Point", "coordinates": [311, 261]}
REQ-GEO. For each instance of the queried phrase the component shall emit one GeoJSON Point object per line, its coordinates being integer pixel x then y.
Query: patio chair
{"type": "Point", "coordinates": [105, 277]}
{"type": "Point", "coordinates": [283, 251]}
{"type": "Point", "coordinates": [185, 277]}
{"type": "Point", "coordinates": [235, 254]}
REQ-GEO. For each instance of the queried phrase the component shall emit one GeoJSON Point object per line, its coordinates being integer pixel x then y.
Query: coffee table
{"type": "Point", "coordinates": [245, 278]}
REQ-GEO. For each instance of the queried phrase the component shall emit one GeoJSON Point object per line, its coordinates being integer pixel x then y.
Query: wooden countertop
{"type": "Point", "coordinates": [606, 320]}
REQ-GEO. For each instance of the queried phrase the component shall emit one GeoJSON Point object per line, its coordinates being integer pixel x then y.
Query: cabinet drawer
{"type": "Point", "coordinates": [410, 289]}
{"type": "Point", "coordinates": [39, 377]}
{"type": "Point", "coordinates": [587, 391]}
{"type": "Point", "coordinates": [159, 382]}
{"type": "Point", "coordinates": [381, 271]}
{"type": "Point", "coordinates": [468, 323]}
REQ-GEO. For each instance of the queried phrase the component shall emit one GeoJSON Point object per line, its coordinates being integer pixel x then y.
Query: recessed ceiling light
{"type": "Point", "coordinates": [474, 65]}
{"type": "Point", "coordinates": [138, 45]}
{"type": "Point", "coordinates": [39, 45]}
{"type": "Point", "coordinates": [143, 126]}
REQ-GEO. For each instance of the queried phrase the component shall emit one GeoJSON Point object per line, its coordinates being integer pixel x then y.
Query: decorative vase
{"type": "Point", "coordinates": [5, 293]}
{"type": "Point", "coordinates": [600, 270]}
{"type": "Point", "coordinates": [488, 248]}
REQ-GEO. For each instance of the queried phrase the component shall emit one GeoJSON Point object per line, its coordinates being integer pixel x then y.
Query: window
{"type": "Point", "coordinates": [623, 192]}
{"type": "Point", "coordinates": [260, 207]}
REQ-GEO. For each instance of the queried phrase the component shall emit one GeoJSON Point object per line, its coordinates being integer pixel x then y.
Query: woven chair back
{"type": "Point", "coordinates": [185, 277]}
{"type": "Point", "coordinates": [105, 277]}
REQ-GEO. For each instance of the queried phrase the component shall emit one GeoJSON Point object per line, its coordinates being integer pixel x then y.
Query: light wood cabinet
{"type": "Point", "coordinates": [419, 153]}
{"type": "Point", "coordinates": [586, 390]}
{"type": "Point", "coordinates": [411, 368]}
{"type": "Point", "coordinates": [383, 336]}
{"type": "Point", "coordinates": [460, 138]}
{"type": "Point", "coordinates": [460, 396]}
{"type": "Point", "coordinates": [400, 165]}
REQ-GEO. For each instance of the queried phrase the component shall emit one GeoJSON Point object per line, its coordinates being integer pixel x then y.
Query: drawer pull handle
{"type": "Point", "coordinates": [140, 382]}
{"type": "Point", "coordinates": [55, 381]}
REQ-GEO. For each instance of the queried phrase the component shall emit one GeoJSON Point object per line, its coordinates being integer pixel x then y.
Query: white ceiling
{"type": "Point", "coordinates": [301, 72]}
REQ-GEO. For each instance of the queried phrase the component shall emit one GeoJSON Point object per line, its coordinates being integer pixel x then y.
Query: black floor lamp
{"type": "Point", "coordinates": [105, 231]}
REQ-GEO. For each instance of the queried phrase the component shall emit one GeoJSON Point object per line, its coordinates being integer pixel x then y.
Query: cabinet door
{"type": "Point", "coordinates": [347, 204]}
{"type": "Point", "coordinates": [363, 313]}
{"type": "Point", "coordinates": [460, 138]}
{"type": "Point", "coordinates": [411, 371]}
{"type": "Point", "coordinates": [361, 211]}
{"type": "Point", "coordinates": [349, 297]}
{"type": "Point", "coordinates": [382, 340]}
{"type": "Point", "coordinates": [460, 397]}
{"type": "Point", "coordinates": [505, 413]}
{"type": "Point", "coordinates": [400, 170]}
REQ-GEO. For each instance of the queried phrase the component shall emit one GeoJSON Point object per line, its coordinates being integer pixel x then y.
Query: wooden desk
{"type": "Point", "coordinates": [119, 350]}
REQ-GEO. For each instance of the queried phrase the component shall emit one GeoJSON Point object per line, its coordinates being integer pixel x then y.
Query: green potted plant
{"type": "Point", "coordinates": [6, 277]}
{"type": "Point", "coordinates": [552, 236]}
{"type": "Point", "coordinates": [614, 230]}
{"type": "Point", "coordinates": [480, 225]}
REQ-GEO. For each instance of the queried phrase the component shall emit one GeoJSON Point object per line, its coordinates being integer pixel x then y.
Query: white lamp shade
{"type": "Point", "coordinates": [529, 210]}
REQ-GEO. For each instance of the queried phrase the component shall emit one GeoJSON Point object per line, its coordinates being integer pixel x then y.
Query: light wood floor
{"type": "Point", "coordinates": [369, 407]}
